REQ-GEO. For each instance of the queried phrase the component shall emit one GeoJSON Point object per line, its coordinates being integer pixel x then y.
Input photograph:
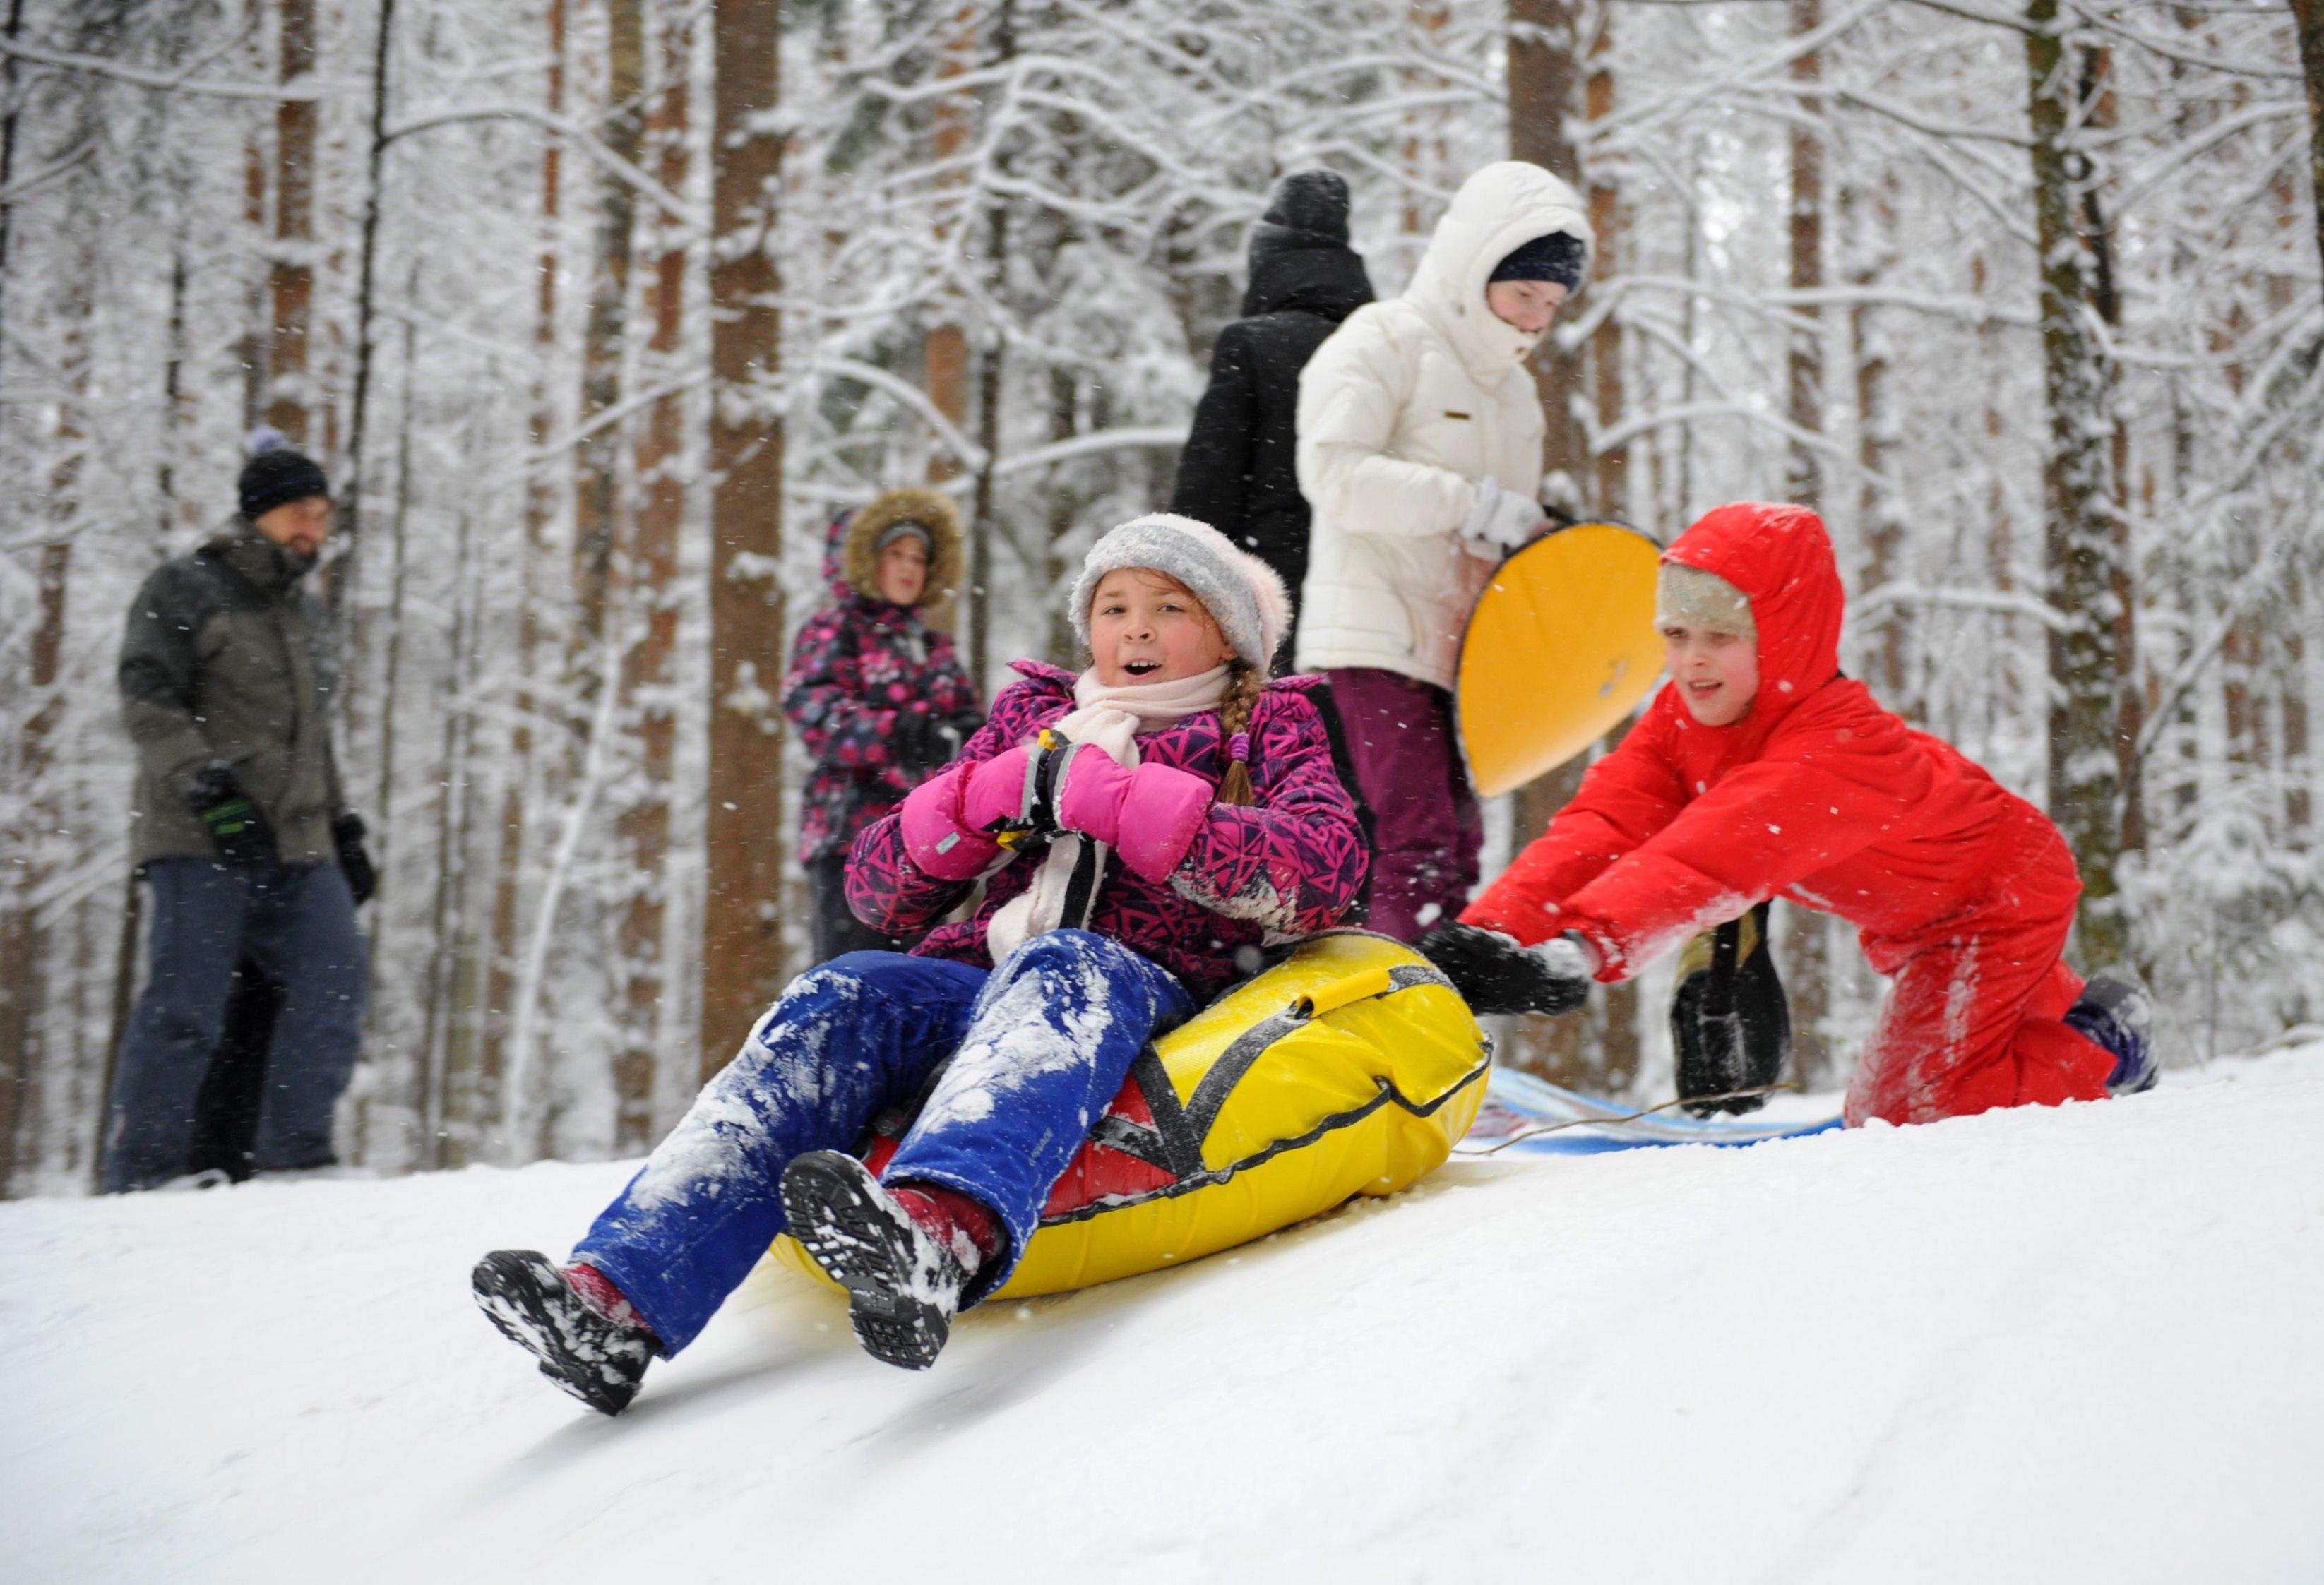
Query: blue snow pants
{"type": "Point", "coordinates": [298, 923]}
{"type": "Point", "coordinates": [1037, 1047]}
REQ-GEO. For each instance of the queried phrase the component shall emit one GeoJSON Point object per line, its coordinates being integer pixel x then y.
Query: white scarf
{"type": "Point", "coordinates": [1103, 718]}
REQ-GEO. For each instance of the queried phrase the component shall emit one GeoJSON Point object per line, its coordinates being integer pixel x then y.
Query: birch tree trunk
{"type": "Point", "coordinates": [743, 945]}
{"type": "Point", "coordinates": [25, 945]}
{"type": "Point", "coordinates": [2081, 540]}
{"type": "Point", "coordinates": [27, 1059]}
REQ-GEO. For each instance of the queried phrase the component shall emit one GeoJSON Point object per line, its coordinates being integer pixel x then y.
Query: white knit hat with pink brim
{"type": "Point", "coordinates": [1243, 594]}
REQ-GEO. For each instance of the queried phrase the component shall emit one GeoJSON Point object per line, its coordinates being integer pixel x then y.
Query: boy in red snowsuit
{"type": "Point", "coordinates": [1759, 772]}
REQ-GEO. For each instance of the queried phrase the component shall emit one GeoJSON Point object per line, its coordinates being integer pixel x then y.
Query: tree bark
{"type": "Point", "coordinates": [539, 513]}
{"type": "Point", "coordinates": [1612, 1016]}
{"type": "Point", "coordinates": [742, 945]}
{"type": "Point", "coordinates": [23, 937]}
{"type": "Point", "coordinates": [652, 573]}
{"type": "Point", "coordinates": [596, 502]}
{"type": "Point", "coordinates": [1545, 88]}
{"type": "Point", "coordinates": [290, 283]}
{"type": "Point", "coordinates": [989, 388]}
{"type": "Point", "coordinates": [2308, 18]}
{"type": "Point", "coordinates": [1807, 955]}
{"type": "Point", "coordinates": [2081, 539]}
{"type": "Point", "coordinates": [1552, 79]}
{"type": "Point", "coordinates": [1545, 92]}
{"type": "Point", "coordinates": [350, 534]}
{"type": "Point", "coordinates": [25, 1058]}
{"type": "Point", "coordinates": [8, 124]}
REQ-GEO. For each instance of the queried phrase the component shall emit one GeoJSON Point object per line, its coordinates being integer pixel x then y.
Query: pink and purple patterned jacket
{"type": "Point", "coordinates": [1287, 865]}
{"type": "Point", "coordinates": [856, 666]}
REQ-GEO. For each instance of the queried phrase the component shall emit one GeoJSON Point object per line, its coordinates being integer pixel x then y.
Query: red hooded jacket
{"type": "Point", "coordinates": [1818, 794]}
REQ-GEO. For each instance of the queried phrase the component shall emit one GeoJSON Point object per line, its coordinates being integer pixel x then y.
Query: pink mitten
{"type": "Point", "coordinates": [1147, 815]}
{"type": "Point", "coordinates": [935, 838]}
{"type": "Point", "coordinates": [998, 795]}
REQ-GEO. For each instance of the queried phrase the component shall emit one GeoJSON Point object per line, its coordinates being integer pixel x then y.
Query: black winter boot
{"type": "Point", "coordinates": [903, 1287]}
{"type": "Point", "coordinates": [596, 1358]}
{"type": "Point", "coordinates": [2116, 1011]}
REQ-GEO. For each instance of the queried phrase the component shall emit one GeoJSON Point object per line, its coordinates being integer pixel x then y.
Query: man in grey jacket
{"type": "Point", "coordinates": [240, 832]}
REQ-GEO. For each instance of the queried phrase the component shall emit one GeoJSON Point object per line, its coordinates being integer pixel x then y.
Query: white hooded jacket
{"type": "Point", "coordinates": [1407, 405]}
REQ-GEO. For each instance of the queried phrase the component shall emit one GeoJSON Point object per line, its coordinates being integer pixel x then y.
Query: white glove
{"type": "Point", "coordinates": [1502, 517]}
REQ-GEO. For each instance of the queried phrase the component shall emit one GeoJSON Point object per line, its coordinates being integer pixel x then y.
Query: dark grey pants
{"type": "Point", "coordinates": [298, 923]}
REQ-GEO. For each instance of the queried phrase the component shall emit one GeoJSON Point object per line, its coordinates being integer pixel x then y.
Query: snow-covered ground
{"type": "Point", "coordinates": [2084, 1344]}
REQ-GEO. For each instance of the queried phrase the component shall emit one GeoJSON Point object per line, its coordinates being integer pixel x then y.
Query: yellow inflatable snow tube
{"type": "Point", "coordinates": [1349, 1069]}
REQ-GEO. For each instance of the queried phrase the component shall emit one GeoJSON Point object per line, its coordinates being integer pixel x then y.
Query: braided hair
{"type": "Point", "coordinates": [1244, 684]}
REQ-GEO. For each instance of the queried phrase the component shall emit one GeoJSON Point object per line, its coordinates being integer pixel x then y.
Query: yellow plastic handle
{"type": "Point", "coordinates": [1372, 981]}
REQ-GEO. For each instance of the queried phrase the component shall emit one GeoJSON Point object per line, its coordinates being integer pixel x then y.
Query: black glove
{"type": "Point", "coordinates": [1494, 974]}
{"type": "Point", "coordinates": [924, 742]}
{"type": "Point", "coordinates": [347, 837]}
{"type": "Point", "coordinates": [1730, 1023]}
{"type": "Point", "coordinates": [234, 821]}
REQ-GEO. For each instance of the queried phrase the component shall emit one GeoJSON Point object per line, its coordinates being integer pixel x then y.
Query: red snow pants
{"type": "Point", "coordinates": [1974, 1016]}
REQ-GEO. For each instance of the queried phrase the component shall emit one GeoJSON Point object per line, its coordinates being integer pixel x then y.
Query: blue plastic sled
{"type": "Point", "coordinates": [1585, 1125]}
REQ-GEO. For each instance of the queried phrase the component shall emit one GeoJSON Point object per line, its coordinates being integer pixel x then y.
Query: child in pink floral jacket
{"type": "Point", "coordinates": [879, 697]}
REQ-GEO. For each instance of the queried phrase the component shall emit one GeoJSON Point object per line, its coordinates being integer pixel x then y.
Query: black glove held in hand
{"type": "Point", "coordinates": [1730, 1022]}
{"type": "Point", "coordinates": [235, 823]}
{"type": "Point", "coordinates": [1494, 974]}
{"type": "Point", "coordinates": [924, 742]}
{"type": "Point", "coordinates": [347, 836]}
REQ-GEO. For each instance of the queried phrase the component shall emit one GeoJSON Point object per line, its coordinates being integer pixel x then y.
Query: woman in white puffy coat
{"type": "Point", "coordinates": [1420, 437]}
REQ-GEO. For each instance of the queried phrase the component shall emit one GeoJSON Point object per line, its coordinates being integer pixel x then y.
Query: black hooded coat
{"type": "Point", "coordinates": [1239, 471]}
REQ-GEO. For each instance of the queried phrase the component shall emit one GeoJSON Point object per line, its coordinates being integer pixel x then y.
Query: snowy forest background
{"type": "Point", "coordinates": [597, 310]}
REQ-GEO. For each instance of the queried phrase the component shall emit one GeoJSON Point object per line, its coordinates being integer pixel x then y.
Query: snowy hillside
{"type": "Point", "coordinates": [2085, 1344]}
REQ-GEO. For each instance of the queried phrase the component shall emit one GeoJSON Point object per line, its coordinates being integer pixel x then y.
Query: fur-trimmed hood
{"type": "Point", "coordinates": [859, 556]}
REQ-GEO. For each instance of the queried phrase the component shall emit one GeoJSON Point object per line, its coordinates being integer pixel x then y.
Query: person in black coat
{"type": "Point", "coordinates": [1238, 473]}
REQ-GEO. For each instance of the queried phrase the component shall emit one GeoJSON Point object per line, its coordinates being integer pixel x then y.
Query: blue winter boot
{"type": "Point", "coordinates": [2115, 1012]}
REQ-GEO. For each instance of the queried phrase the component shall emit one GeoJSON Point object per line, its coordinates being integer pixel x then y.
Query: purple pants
{"type": "Point", "coordinates": [1426, 829]}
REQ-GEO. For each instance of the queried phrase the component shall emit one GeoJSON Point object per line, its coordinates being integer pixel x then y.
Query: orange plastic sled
{"type": "Point", "coordinates": [1561, 647]}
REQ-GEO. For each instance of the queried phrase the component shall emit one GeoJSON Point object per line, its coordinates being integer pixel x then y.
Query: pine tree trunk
{"type": "Point", "coordinates": [989, 385]}
{"type": "Point", "coordinates": [8, 127]}
{"type": "Point", "coordinates": [651, 597]}
{"type": "Point", "coordinates": [1807, 955]}
{"type": "Point", "coordinates": [351, 522]}
{"type": "Point", "coordinates": [597, 495]}
{"type": "Point", "coordinates": [291, 286]}
{"type": "Point", "coordinates": [532, 556]}
{"type": "Point", "coordinates": [2081, 540]}
{"type": "Point", "coordinates": [1545, 89]}
{"type": "Point", "coordinates": [743, 945]}
{"type": "Point", "coordinates": [943, 350]}
{"type": "Point", "coordinates": [2308, 16]}
{"type": "Point", "coordinates": [1871, 225]}
{"type": "Point", "coordinates": [1612, 1016]}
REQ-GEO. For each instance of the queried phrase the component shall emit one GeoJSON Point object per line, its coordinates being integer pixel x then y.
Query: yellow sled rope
{"type": "Point", "coordinates": [1562, 647]}
{"type": "Point", "coordinates": [1349, 1069]}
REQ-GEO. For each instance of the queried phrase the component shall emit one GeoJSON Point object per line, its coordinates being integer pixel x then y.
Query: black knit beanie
{"type": "Point", "coordinates": [1311, 201]}
{"type": "Point", "coordinates": [1556, 257]}
{"type": "Point", "coordinates": [277, 476]}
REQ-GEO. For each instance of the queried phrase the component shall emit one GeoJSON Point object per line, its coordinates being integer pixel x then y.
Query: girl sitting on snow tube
{"type": "Point", "coordinates": [1142, 829]}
